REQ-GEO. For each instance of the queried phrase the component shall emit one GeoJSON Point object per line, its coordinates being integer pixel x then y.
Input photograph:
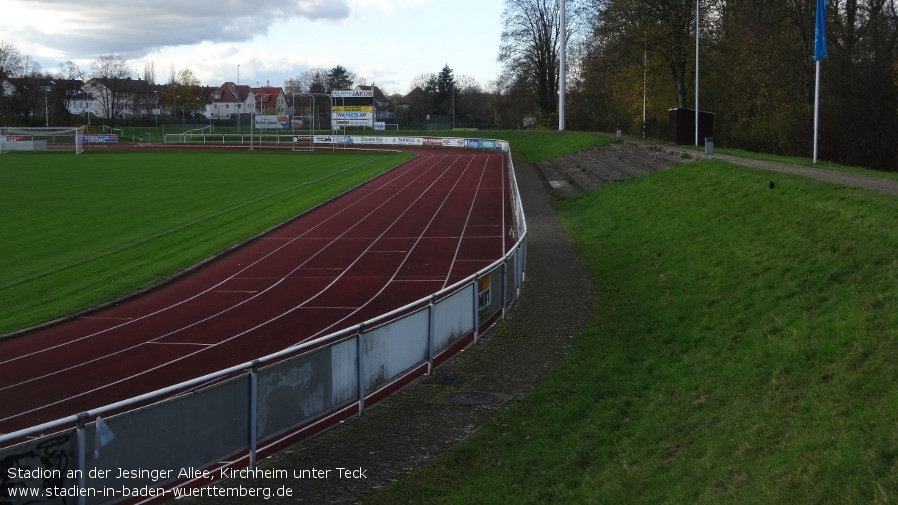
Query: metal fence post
{"type": "Point", "coordinates": [360, 351]}
{"type": "Point", "coordinates": [82, 456]}
{"type": "Point", "coordinates": [430, 331]}
{"type": "Point", "coordinates": [253, 410]}
{"type": "Point", "coordinates": [476, 312]}
{"type": "Point", "coordinates": [504, 285]}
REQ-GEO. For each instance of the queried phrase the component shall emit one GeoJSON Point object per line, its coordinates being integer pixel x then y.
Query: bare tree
{"type": "Point", "coordinates": [27, 84]}
{"type": "Point", "coordinates": [149, 73]}
{"type": "Point", "coordinates": [10, 60]}
{"type": "Point", "coordinates": [111, 85]}
{"type": "Point", "coordinates": [10, 63]}
{"type": "Point", "coordinates": [530, 48]}
{"type": "Point", "coordinates": [421, 80]}
{"type": "Point", "coordinates": [309, 81]}
{"type": "Point", "coordinates": [70, 71]}
{"type": "Point", "coordinates": [70, 77]}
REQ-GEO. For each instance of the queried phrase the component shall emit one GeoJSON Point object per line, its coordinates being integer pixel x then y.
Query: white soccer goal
{"type": "Point", "coordinates": [303, 133]}
{"type": "Point", "coordinates": [63, 138]}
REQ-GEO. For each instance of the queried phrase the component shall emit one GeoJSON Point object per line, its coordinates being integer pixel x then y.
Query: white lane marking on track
{"type": "Point", "coordinates": [467, 220]}
{"type": "Point", "coordinates": [418, 240]}
{"type": "Point", "coordinates": [181, 343]}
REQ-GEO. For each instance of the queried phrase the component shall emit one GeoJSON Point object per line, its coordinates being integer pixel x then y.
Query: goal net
{"type": "Point", "coordinates": [42, 139]}
{"type": "Point", "coordinates": [303, 133]}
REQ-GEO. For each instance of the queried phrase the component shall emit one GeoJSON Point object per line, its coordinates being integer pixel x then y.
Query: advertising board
{"type": "Point", "coordinates": [352, 108]}
{"type": "Point", "coordinates": [412, 141]}
{"type": "Point", "coordinates": [354, 115]}
{"type": "Point", "coordinates": [272, 122]}
{"type": "Point", "coordinates": [100, 139]}
{"type": "Point", "coordinates": [351, 122]}
{"type": "Point", "coordinates": [453, 142]}
{"type": "Point", "coordinates": [352, 93]}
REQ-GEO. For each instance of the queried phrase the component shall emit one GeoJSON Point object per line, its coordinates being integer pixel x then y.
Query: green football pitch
{"type": "Point", "coordinates": [81, 230]}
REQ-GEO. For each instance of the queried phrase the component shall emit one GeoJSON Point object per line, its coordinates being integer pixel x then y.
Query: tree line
{"type": "Point", "coordinates": [756, 72]}
{"type": "Point", "coordinates": [27, 98]}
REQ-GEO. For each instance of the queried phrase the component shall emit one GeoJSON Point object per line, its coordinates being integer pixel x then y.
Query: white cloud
{"type": "Point", "coordinates": [89, 28]}
{"type": "Point", "coordinates": [391, 7]}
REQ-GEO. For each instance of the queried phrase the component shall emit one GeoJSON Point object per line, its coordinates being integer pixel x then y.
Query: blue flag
{"type": "Point", "coordinates": [820, 51]}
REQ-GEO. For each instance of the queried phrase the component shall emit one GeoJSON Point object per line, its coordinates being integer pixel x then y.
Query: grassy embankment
{"type": "Point", "coordinates": [743, 349]}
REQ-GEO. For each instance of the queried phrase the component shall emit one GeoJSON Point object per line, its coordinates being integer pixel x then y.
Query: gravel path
{"type": "Point", "coordinates": [868, 182]}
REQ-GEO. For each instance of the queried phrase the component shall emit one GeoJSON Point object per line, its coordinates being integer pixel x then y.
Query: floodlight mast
{"type": "Point", "coordinates": [238, 98]}
{"type": "Point", "coordinates": [563, 69]}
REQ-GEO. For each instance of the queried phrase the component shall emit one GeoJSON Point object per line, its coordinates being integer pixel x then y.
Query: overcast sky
{"type": "Point", "coordinates": [388, 42]}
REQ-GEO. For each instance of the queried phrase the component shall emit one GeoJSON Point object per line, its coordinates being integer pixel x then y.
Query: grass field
{"type": "Point", "coordinates": [81, 230]}
{"type": "Point", "coordinates": [743, 350]}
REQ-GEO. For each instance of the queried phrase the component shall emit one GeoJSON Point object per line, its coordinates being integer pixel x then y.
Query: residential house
{"type": "Point", "coordinates": [79, 103]}
{"type": "Point", "coordinates": [269, 101]}
{"type": "Point", "coordinates": [42, 99]}
{"type": "Point", "coordinates": [229, 99]}
{"type": "Point", "coordinates": [120, 98]}
{"type": "Point", "coordinates": [414, 105]}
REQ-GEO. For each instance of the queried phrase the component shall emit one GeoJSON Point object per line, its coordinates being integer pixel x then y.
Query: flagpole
{"type": "Point", "coordinates": [816, 110]}
{"type": "Point", "coordinates": [820, 53]}
{"type": "Point", "coordinates": [697, 31]}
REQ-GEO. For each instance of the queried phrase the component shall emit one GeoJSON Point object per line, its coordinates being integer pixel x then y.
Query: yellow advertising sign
{"type": "Point", "coordinates": [353, 108]}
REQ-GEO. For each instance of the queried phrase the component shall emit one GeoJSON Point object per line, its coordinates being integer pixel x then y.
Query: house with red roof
{"type": "Point", "coordinates": [228, 100]}
{"type": "Point", "coordinates": [270, 101]}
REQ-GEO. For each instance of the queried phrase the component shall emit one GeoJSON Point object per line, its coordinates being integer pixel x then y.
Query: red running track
{"type": "Point", "coordinates": [418, 228]}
